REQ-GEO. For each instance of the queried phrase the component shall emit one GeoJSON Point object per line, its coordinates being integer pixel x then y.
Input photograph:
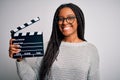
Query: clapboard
{"type": "Point", "coordinates": [31, 43]}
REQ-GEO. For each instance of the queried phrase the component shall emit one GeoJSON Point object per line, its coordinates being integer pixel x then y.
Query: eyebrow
{"type": "Point", "coordinates": [68, 15]}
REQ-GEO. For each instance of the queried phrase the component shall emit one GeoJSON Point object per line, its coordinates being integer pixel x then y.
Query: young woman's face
{"type": "Point", "coordinates": [67, 22]}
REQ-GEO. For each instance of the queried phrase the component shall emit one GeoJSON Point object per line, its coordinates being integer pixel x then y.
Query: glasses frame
{"type": "Point", "coordinates": [60, 21]}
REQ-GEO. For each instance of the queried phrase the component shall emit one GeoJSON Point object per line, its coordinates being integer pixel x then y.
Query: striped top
{"type": "Point", "coordinates": [76, 61]}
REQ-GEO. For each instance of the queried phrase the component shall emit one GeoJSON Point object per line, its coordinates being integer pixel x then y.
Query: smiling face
{"type": "Point", "coordinates": [67, 22]}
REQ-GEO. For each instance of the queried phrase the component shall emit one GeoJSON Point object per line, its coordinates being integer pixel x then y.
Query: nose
{"type": "Point", "coordinates": [64, 21]}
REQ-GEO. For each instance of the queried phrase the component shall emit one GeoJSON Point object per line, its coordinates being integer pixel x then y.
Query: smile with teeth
{"type": "Point", "coordinates": [66, 28]}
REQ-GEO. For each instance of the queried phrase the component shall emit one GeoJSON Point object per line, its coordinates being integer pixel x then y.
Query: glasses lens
{"type": "Point", "coordinates": [69, 19]}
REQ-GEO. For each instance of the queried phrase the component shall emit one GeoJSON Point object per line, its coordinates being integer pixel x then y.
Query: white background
{"type": "Point", "coordinates": [102, 29]}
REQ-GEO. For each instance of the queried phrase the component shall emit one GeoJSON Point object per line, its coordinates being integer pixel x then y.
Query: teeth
{"type": "Point", "coordinates": [66, 28]}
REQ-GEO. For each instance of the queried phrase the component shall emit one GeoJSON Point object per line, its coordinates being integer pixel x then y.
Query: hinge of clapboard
{"type": "Point", "coordinates": [24, 26]}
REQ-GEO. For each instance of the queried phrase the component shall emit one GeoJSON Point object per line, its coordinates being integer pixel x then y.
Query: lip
{"type": "Point", "coordinates": [67, 27]}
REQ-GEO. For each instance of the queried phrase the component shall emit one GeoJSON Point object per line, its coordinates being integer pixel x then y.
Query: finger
{"type": "Point", "coordinates": [11, 40]}
{"type": "Point", "coordinates": [12, 47]}
{"type": "Point", "coordinates": [15, 46]}
{"type": "Point", "coordinates": [12, 52]}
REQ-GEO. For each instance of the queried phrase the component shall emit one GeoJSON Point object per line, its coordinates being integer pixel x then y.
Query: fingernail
{"type": "Point", "coordinates": [18, 50]}
{"type": "Point", "coordinates": [18, 46]}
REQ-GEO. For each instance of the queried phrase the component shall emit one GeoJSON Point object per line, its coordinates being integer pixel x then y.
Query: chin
{"type": "Point", "coordinates": [66, 35]}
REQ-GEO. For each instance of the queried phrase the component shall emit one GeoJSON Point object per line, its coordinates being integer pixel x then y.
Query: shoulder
{"type": "Point", "coordinates": [92, 50]}
{"type": "Point", "coordinates": [91, 46]}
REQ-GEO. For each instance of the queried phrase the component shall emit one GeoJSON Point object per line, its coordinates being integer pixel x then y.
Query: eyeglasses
{"type": "Point", "coordinates": [69, 19]}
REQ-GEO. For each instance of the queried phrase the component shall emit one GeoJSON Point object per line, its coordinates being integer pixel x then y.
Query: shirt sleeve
{"type": "Point", "coordinates": [93, 73]}
{"type": "Point", "coordinates": [26, 71]}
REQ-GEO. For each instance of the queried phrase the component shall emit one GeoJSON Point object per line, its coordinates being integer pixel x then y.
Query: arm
{"type": "Point", "coordinates": [26, 71]}
{"type": "Point", "coordinates": [93, 73]}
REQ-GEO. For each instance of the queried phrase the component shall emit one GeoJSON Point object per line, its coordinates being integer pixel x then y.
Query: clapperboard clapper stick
{"type": "Point", "coordinates": [31, 43]}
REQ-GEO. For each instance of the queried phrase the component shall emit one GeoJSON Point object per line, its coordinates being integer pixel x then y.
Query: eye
{"type": "Point", "coordinates": [71, 17]}
{"type": "Point", "coordinates": [60, 19]}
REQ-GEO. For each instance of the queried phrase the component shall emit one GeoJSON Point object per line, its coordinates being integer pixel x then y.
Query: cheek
{"type": "Point", "coordinates": [60, 27]}
{"type": "Point", "coordinates": [75, 26]}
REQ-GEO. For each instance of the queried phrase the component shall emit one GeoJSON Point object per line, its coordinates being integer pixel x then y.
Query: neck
{"type": "Point", "coordinates": [72, 39]}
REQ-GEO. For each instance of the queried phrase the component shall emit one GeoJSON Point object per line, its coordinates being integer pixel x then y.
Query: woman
{"type": "Point", "coordinates": [68, 55]}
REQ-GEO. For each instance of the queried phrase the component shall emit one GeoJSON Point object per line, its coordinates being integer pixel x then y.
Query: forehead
{"type": "Point", "coordinates": [66, 11]}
